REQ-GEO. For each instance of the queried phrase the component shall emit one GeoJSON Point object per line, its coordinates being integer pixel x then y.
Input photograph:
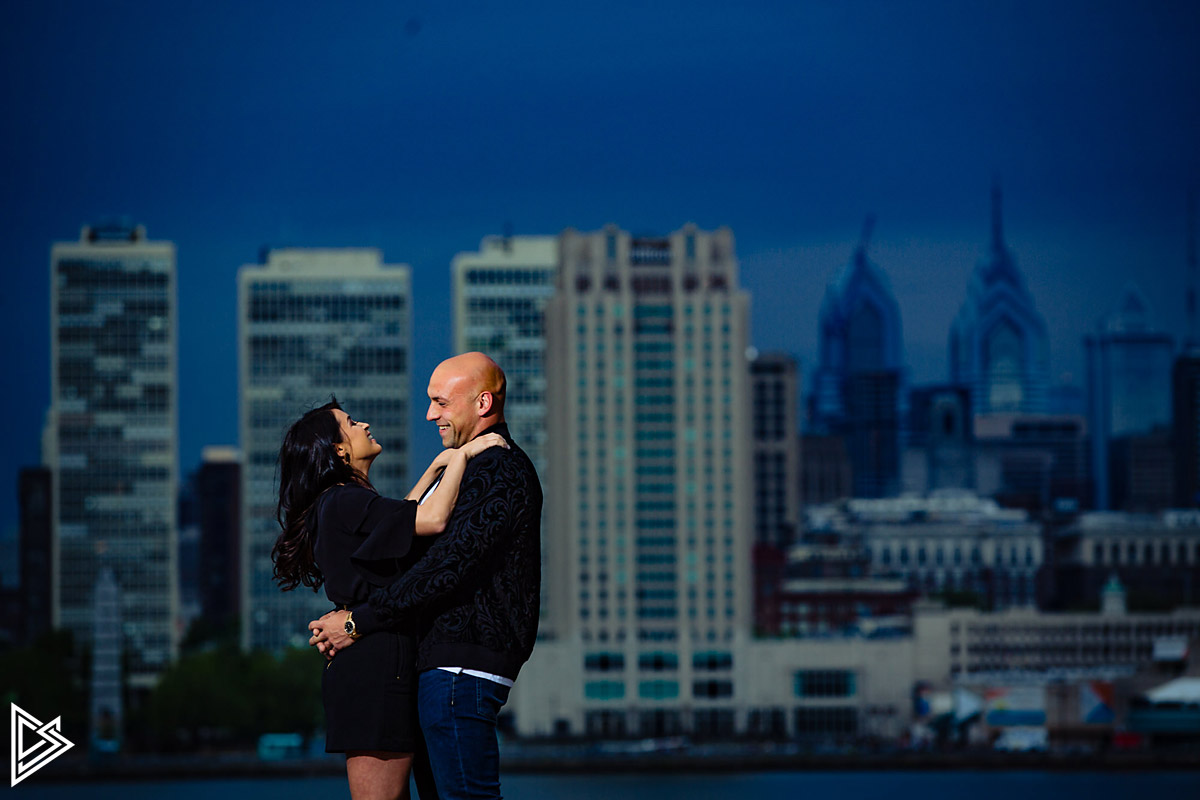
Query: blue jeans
{"type": "Point", "coordinates": [458, 717]}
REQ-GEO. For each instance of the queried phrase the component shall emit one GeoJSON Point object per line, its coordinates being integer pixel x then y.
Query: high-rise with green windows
{"type": "Point", "coordinates": [314, 322]}
{"type": "Point", "coordinates": [649, 445]}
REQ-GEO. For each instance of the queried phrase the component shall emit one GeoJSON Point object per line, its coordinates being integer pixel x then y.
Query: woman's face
{"type": "Point", "coordinates": [358, 446]}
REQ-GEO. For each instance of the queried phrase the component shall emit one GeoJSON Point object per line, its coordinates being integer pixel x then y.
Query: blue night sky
{"type": "Point", "coordinates": [420, 127]}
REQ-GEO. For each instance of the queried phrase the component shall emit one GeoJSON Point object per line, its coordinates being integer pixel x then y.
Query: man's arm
{"type": "Point", "coordinates": [492, 499]}
{"type": "Point", "coordinates": [492, 496]}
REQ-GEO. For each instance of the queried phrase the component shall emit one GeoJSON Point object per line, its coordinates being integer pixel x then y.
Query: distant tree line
{"type": "Point", "coordinates": [213, 697]}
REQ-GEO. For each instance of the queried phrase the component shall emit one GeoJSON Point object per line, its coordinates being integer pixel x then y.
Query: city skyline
{"type": "Point", "coordinates": [372, 129]}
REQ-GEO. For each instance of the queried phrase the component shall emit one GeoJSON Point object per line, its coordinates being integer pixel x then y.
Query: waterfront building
{"type": "Point", "coordinates": [966, 644]}
{"type": "Point", "coordinates": [998, 344]}
{"type": "Point", "coordinates": [311, 323]}
{"type": "Point", "coordinates": [816, 691]}
{"type": "Point", "coordinates": [650, 504]}
{"type": "Point", "coordinates": [1073, 673]}
{"type": "Point", "coordinates": [111, 442]}
{"type": "Point", "coordinates": [1129, 385]}
{"type": "Point", "coordinates": [857, 388]}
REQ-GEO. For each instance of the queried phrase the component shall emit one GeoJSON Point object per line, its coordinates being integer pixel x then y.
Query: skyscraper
{"type": "Point", "coordinates": [217, 489]}
{"type": "Point", "coordinates": [1185, 395]}
{"type": "Point", "coordinates": [112, 438]}
{"type": "Point", "coordinates": [998, 342]}
{"type": "Point", "coordinates": [500, 297]}
{"type": "Point", "coordinates": [650, 449]}
{"type": "Point", "coordinates": [313, 323]}
{"type": "Point", "coordinates": [858, 384]}
{"type": "Point", "coordinates": [1129, 383]}
{"type": "Point", "coordinates": [774, 385]}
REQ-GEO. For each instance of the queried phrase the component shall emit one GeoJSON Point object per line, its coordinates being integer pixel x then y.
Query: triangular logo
{"type": "Point", "coordinates": [34, 743]}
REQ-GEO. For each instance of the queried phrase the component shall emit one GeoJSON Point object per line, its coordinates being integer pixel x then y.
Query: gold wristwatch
{"type": "Point", "coordinates": [349, 627]}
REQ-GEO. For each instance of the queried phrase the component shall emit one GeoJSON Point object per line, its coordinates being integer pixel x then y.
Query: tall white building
{"type": "Point", "coordinates": [649, 522]}
{"type": "Point", "coordinates": [313, 323]}
{"type": "Point", "coordinates": [500, 297]}
{"type": "Point", "coordinates": [112, 437]}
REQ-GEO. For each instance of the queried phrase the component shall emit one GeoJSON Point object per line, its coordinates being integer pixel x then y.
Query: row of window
{"type": "Point", "coordinates": [903, 557]}
{"type": "Point", "coordinates": [1148, 554]}
{"type": "Point", "coordinates": [657, 690]}
{"type": "Point", "coordinates": [658, 661]}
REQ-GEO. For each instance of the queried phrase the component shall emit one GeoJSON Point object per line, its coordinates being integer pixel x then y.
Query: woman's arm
{"type": "Point", "coordinates": [437, 465]}
{"type": "Point", "coordinates": [434, 513]}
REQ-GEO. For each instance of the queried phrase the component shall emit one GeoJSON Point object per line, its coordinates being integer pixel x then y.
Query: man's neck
{"type": "Point", "coordinates": [490, 428]}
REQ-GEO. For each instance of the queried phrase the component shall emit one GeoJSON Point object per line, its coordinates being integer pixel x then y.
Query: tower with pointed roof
{"type": "Point", "coordinates": [998, 342]}
{"type": "Point", "coordinates": [858, 383]}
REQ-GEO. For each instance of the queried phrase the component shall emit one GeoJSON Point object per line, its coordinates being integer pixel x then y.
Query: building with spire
{"type": "Point", "coordinates": [858, 384]}
{"type": "Point", "coordinates": [998, 343]}
{"type": "Point", "coordinates": [1129, 385]}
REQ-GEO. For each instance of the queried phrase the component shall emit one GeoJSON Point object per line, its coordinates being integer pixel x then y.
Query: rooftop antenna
{"type": "Point", "coordinates": [997, 220]}
{"type": "Point", "coordinates": [865, 239]}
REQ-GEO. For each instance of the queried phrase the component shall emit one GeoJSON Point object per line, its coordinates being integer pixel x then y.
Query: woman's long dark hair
{"type": "Point", "coordinates": [308, 465]}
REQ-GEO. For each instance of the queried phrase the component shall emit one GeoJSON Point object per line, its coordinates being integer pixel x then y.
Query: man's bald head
{"type": "Point", "coordinates": [466, 396]}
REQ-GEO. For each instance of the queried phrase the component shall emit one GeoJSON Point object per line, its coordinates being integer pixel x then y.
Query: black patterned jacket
{"type": "Point", "coordinates": [477, 590]}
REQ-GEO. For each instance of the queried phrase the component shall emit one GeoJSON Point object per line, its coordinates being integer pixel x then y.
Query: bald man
{"type": "Point", "coordinates": [475, 593]}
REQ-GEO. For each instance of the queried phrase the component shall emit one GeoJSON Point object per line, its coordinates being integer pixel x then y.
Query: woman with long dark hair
{"type": "Point", "coordinates": [338, 532]}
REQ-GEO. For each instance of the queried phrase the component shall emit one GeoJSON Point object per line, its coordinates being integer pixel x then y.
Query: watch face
{"type": "Point", "coordinates": [349, 627]}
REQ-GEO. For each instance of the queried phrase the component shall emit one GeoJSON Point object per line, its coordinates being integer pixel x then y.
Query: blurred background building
{"type": "Point", "coordinates": [313, 323]}
{"type": "Point", "coordinates": [651, 499]}
{"type": "Point", "coordinates": [499, 298]}
{"type": "Point", "coordinates": [998, 343]}
{"type": "Point", "coordinates": [859, 383]}
{"type": "Point", "coordinates": [112, 438]}
{"type": "Point", "coordinates": [1129, 405]}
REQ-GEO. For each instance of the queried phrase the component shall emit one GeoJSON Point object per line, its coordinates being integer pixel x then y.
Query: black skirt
{"type": "Point", "coordinates": [369, 692]}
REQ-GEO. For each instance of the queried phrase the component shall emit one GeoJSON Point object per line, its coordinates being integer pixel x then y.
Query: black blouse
{"type": "Point", "coordinates": [364, 540]}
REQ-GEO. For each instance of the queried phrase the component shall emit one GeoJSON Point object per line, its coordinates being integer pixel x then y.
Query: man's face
{"type": "Point", "coordinates": [452, 406]}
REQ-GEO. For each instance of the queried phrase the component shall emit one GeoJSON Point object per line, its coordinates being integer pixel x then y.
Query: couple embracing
{"type": "Point", "coordinates": [437, 594]}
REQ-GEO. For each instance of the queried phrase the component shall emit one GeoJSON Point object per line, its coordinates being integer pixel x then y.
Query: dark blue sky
{"type": "Point", "coordinates": [420, 127]}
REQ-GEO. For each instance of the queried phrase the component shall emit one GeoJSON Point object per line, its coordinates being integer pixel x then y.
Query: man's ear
{"type": "Point", "coordinates": [485, 403]}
